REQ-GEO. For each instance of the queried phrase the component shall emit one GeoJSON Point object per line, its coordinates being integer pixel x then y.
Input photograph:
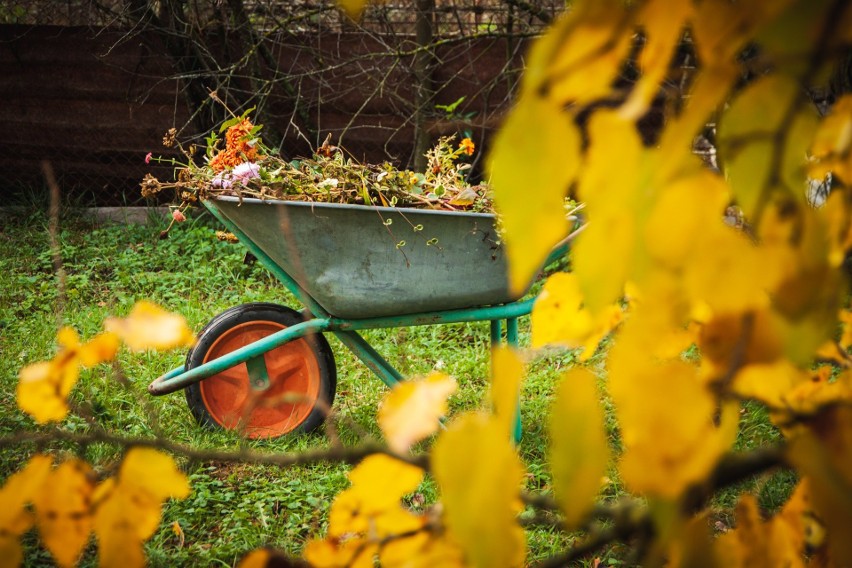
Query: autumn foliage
{"type": "Point", "coordinates": [761, 309]}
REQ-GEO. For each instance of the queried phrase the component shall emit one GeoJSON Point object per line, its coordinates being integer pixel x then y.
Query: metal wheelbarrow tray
{"type": "Point", "coordinates": [361, 262]}
{"type": "Point", "coordinates": [267, 370]}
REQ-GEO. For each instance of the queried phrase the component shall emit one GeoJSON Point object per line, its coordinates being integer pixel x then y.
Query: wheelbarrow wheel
{"type": "Point", "coordinates": [302, 375]}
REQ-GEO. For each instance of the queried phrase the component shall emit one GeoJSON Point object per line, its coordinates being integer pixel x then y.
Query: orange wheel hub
{"type": "Point", "coordinates": [293, 391]}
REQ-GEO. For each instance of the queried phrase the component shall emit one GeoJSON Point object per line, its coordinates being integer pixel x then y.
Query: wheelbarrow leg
{"type": "Point", "coordinates": [496, 332]}
{"type": "Point", "coordinates": [257, 373]}
{"type": "Point", "coordinates": [372, 358]}
{"type": "Point", "coordinates": [511, 341]}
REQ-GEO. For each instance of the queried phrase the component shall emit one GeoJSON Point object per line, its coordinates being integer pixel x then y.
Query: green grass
{"type": "Point", "coordinates": [236, 508]}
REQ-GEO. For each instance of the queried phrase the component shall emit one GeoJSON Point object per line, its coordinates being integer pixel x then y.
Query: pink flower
{"type": "Point", "coordinates": [148, 158]}
{"type": "Point", "coordinates": [246, 171]}
{"type": "Point", "coordinates": [178, 216]}
{"type": "Point", "coordinates": [222, 180]}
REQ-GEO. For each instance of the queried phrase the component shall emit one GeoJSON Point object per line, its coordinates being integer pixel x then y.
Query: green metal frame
{"type": "Point", "coordinates": [345, 329]}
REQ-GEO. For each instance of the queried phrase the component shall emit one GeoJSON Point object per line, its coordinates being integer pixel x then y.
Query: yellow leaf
{"type": "Point", "coordinates": [591, 49]}
{"type": "Point", "coordinates": [681, 214]}
{"type": "Point", "coordinates": [734, 274]}
{"type": "Point", "coordinates": [255, 559]}
{"type": "Point", "coordinates": [825, 457]}
{"type": "Point", "coordinates": [578, 444]}
{"type": "Point", "coordinates": [693, 545]}
{"type": "Point", "coordinates": [100, 348]}
{"type": "Point", "coordinates": [663, 22]}
{"type": "Point", "coordinates": [120, 546]}
{"type": "Point", "coordinates": [768, 383]}
{"type": "Point", "coordinates": [404, 551]}
{"type": "Point", "coordinates": [616, 200]}
{"type": "Point", "coordinates": [832, 144]}
{"type": "Point", "coordinates": [748, 339]}
{"type": "Point", "coordinates": [722, 28]}
{"type": "Point", "coordinates": [808, 290]}
{"type": "Point", "coordinates": [506, 375]}
{"type": "Point", "coordinates": [154, 472]}
{"type": "Point", "coordinates": [43, 387]}
{"type": "Point", "coordinates": [788, 42]}
{"type": "Point", "coordinates": [63, 512]}
{"type": "Point", "coordinates": [39, 391]}
{"type": "Point", "coordinates": [412, 410]}
{"type": "Point", "coordinates": [423, 550]}
{"type": "Point", "coordinates": [10, 550]}
{"type": "Point", "coordinates": [381, 481]}
{"type": "Point", "coordinates": [710, 89]}
{"type": "Point", "coordinates": [148, 326]}
{"type": "Point", "coordinates": [796, 519]}
{"type": "Point", "coordinates": [817, 391]}
{"type": "Point", "coordinates": [351, 553]}
{"type": "Point", "coordinates": [129, 505]}
{"type": "Point", "coordinates": [396, 521]}
{"type": "Point", "coordinates": [659, 323]}
{"type": "Point", "coordinates": [353, 8]}
{"type": "Point", "coordinates": [838, 225]}
{"type": "Point", "coordinates": [345, 515]}
{"type": "Point", "coordinates": [559, 317]}
{"type": "Point", "coordinates": [531, 199]}
{"type": "Point", "coordinates": [666, 415]}
{"type": "Point", "coordinates": [479, 474]}
{"type": "Point", "coordinates": [19, 489]}
{"type": "Point", "coordinates": [749, 149]}
{"type": "Point", "coordinates": [378, 484]}
{"type": "Point", "coordinates": [756, 543]}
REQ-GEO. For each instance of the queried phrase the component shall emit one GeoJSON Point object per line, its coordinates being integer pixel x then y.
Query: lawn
{"type": "Point", "coordinates": [235, 507]}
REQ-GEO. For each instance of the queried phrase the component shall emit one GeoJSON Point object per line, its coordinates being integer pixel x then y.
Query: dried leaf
{"type": "Point", "coordinates": [465, 197]}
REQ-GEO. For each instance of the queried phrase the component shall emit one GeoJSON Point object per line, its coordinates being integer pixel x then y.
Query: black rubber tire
{"type": "Point", "coordinates": [264, 312]}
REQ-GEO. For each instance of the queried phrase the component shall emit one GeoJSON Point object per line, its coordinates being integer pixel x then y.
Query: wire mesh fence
{"type": "Point", "coordinates": [95, 84]}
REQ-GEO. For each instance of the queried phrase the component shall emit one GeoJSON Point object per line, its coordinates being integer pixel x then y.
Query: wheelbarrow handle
{"type": "Point", "coordinates": [159, 385]}
{"type": "Point", "coordinates": [180, 378]}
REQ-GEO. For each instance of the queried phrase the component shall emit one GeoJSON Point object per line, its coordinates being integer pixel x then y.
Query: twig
{"type": "Point", "coordinates": [350, 455]}
{"type": "Point", "coordinates": [55, 251]}
{"type": "Point", "coordinates": [630, 519]}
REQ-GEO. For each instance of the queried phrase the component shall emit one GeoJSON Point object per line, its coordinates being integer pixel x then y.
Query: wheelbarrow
{"type": "Point", "coordinates": [266, 369]}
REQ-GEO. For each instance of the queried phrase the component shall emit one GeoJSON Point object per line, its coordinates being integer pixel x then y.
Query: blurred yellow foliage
{"type": "Point", "coordinates": [412, 410]}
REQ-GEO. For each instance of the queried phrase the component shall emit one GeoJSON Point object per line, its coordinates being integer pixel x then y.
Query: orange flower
{"type": "Point", "coordinates": [467, 146]}
{"type": "Point", "coordinates": [237, 148]}
{"type": "Point", "coordinates": [237, 133]}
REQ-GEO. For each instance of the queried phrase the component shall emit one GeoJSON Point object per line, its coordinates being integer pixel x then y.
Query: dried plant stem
{"type": "Point", "coordinates": [55, 251]}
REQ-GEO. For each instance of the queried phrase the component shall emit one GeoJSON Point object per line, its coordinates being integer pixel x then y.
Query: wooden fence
{"type": "Point", "coordinates": [94, 102]}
